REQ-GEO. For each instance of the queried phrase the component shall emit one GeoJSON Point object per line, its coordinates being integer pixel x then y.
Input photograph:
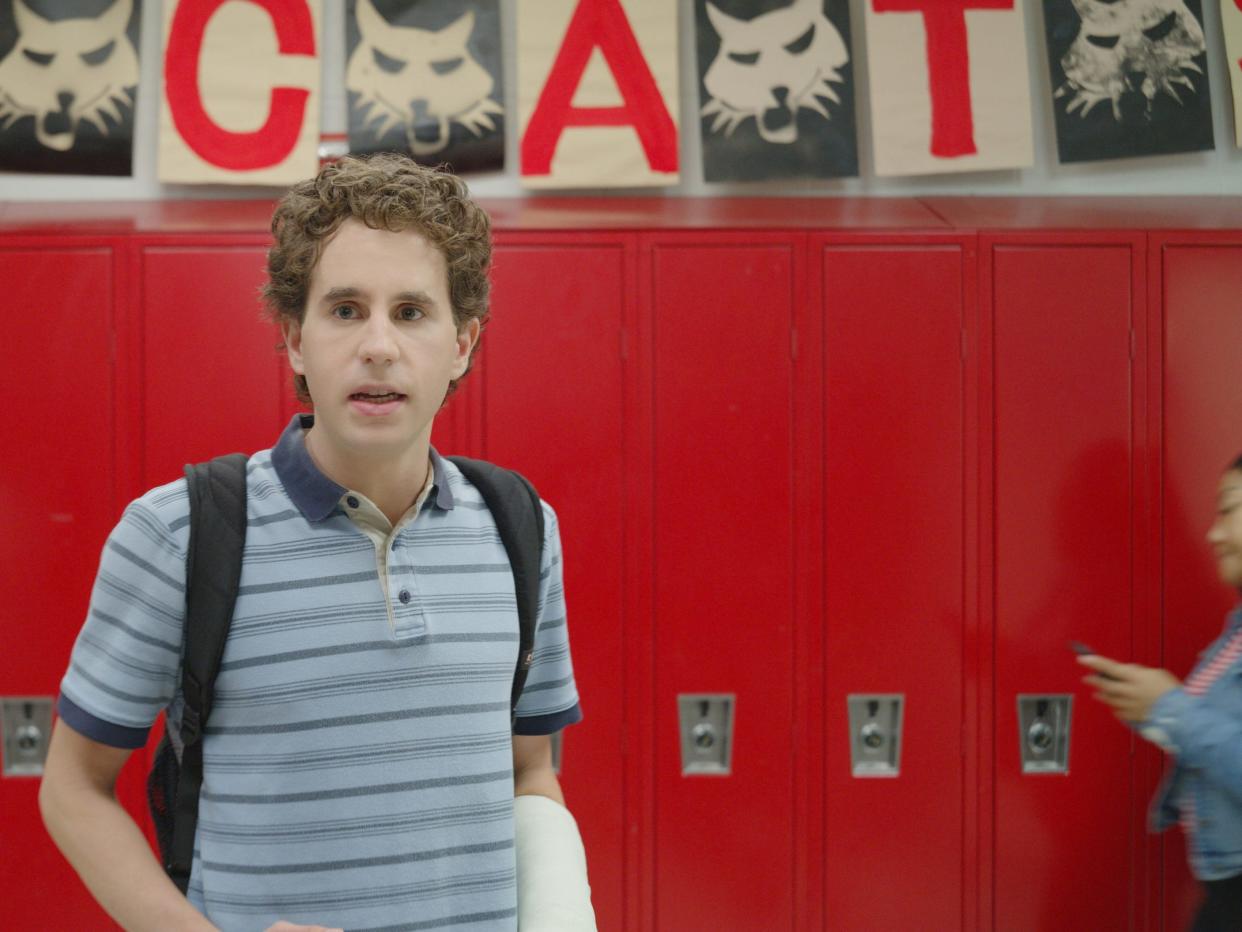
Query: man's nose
{"type": "Point", "coordinates": [379, 344]}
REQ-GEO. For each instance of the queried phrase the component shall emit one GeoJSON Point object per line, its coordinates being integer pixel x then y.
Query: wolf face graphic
{"type": "Point", "coordinates": [419, 79]}
{"type": "Point", "coordinates": [771, 66]}
{"type": "Point", "coordinates": [1130, 45]}
{"type": "Point", "coordinates": [67, 71]}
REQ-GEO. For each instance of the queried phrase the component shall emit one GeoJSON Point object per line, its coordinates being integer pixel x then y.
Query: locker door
{"type": "Point", "coordinates": [213, 379]}
{"type": "Point", "coordinates": [59, 498]}
{"type": "Point", "coordinates": [1066, 315]}
{"type": "Point", "coordinates": [725, 573]}
{"type": "Point", "coordinates": [894, 563]}
{"type": "Point", "coordinates": [552, 407]}
{"type": "Point", "coordinates": [1202, 408]}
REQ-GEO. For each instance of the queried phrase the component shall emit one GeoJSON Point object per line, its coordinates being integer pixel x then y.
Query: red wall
{"type": "Point", "coordinates": [879, 447]}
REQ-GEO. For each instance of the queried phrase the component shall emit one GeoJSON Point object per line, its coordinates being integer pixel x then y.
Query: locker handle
{"type": "Point", "coordinates": [1039, 735]}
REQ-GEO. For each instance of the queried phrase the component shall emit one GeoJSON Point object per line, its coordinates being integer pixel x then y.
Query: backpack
{"type": "Point", "coordinates": [217, 491]}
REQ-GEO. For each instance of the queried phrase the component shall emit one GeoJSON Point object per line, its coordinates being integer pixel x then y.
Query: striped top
{"type": "Point", "coordinates": [1202, 679]}
{"type": "Point", "coordinates": [358, 765]}
{"type": "Point", "coordinates": [1198, 683]}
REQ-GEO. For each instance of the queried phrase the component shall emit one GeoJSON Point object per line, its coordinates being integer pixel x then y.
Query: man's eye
{"type": "Point", "coordinates": [344, 312]}
{"type": "Point", "coordinates": [410, 313]}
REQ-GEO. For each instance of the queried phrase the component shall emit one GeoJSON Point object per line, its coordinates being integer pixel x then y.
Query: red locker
{"type": "Point", "coordinates": [725, 571]}
{"type": "Point", "coordinates": [551, 383]}
{"type": "Point", "coordinates": [894, 573]}
{"type": "Point", "coordinates": [1198, 279]}
{"type": "Point", "coordinates": [1067, 315]}
{"type": "Point", "coordinates": [213, 379]}
{"type": "Point", "coordinates": [792, 462]}
{"type": "Point", "coordinates": [59, 497]}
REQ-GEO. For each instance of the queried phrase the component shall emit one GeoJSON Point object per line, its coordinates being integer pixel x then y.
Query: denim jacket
{"type": "Point", "coordinates": [1204, 733]}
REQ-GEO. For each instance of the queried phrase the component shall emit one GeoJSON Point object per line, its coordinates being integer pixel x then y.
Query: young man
{"type": "Point", "coordinates": [360, 770]}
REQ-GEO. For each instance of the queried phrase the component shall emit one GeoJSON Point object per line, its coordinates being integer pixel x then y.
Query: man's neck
{"type": "Point", "coordinates": [392, 483]}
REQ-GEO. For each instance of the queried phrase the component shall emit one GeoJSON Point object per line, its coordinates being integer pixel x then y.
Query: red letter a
{"type": "Point", "coordinates": [948, 67]}
{"type": "Point", "coordinates": [602, 24]}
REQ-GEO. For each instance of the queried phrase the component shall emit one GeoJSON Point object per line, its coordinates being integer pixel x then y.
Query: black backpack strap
{"type": "Point", "coordinates": [217, 491]}
{"type": "Point", "coordinates": [516, 509]}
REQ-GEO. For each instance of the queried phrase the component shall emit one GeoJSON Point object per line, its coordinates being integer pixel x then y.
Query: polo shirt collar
{"type": "Point", "coordinates": [441, 494]}
{"type": "Point", "coordinates": [317, 496]}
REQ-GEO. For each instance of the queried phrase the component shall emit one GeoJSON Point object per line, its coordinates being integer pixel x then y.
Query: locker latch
{"type": "Point", "coordinates": [1044, 732]}
{"type": "Point", "coordinates": [706, 721]}
{"type": "Point", "coordinates": [875, 733]}
{"type": "Point", "coordinates": [27, 725]}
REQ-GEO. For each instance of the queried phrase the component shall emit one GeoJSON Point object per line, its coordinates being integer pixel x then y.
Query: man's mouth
{"type": "Point", "coordinates": [376, 398]}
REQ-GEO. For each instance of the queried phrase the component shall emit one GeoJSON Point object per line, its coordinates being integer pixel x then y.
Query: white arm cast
{"type": "Point", "coordinates": [553, 893]}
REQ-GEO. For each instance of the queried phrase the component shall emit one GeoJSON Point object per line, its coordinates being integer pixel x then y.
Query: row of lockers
{"type": "Point", "coordinates": [790, 467]}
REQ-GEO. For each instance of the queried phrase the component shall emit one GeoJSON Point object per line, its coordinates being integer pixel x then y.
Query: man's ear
{"type": "Point", "coordinates": [467, 336]}
{"type": "Point", "coordinates": [292, 332]}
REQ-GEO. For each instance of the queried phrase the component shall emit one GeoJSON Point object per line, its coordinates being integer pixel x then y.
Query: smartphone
{"type": "Point", "coordinates": [1082, 650]}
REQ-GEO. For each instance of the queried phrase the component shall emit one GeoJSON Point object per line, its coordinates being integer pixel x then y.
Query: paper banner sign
{"type": "Point", "coordinates": [1127, 77]}
{"type": "Point", "coordinates": [424, 78]}
{"type": "Point", "coordinates": [597, 92]}
{"type": "Point", "coordinates": [776, 89]}
{"type": "Point", "coordinates": [949, 88]}
{"type": "Point", "coordinates": [241, 92]}
{"type": "Point", "coordinates": [1231, 20]}
{"type": "Point", "coordinates": [68, 85]}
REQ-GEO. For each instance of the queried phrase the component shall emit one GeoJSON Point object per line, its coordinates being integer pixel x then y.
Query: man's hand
{"type": "Point", "coordinates": [1128, 688]}
{"type": "Point", "coordinates": [283, 926]}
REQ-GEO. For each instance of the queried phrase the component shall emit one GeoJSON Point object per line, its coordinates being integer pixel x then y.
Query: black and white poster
{"type": "Point", "coordinates": [1128, 77]}
{"type": "Point", "coordinates": [776, 89]}
{"type": "Point", "coordinates": [424, 78]}
{"type": "Point", "coordinates": [68, 85]}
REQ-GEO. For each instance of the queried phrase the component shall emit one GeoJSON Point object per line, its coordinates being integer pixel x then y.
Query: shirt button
{"type": "Point", "coordinates": [404, 596]}
{"type": "Point", "coordinates": [351, 502]}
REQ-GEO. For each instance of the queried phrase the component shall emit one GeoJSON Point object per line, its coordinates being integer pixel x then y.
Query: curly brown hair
{"type": "Point", "coordinates": [386, 192]}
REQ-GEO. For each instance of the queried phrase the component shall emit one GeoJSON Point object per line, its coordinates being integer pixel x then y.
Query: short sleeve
{"type": "Point", "coordinates": [549, 700]}
{"type": "Point", "coordinates": [124, 665]}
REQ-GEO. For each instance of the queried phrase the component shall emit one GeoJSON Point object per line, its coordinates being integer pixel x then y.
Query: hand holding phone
{"type": "Point", "coordinates": [1084, 650]}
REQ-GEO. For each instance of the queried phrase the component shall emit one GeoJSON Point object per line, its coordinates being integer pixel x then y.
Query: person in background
{"type": "Point", "coordinates": [1199, 723]}
{"type": "Point", "coordinates": [361, 769]}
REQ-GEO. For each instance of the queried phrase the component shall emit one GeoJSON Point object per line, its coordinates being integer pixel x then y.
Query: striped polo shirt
{"type": "Point", "coordinates": [358, 766]}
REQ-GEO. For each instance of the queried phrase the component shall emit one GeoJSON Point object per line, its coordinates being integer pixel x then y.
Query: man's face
{"type": "Point", "coordinates": [377, 345]}
{"type": "Point", "coordinates": [1225, 535]}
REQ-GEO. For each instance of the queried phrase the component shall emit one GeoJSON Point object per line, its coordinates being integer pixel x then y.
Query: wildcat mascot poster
{"type": "Point", "coordinates": [776, 89]}
{"type": "Point", "coordinates": [68, 85]}
{"type": "Point", "coordinates": [1128, 77]}
{"type": "Point", "coordinates": [424, 77]}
